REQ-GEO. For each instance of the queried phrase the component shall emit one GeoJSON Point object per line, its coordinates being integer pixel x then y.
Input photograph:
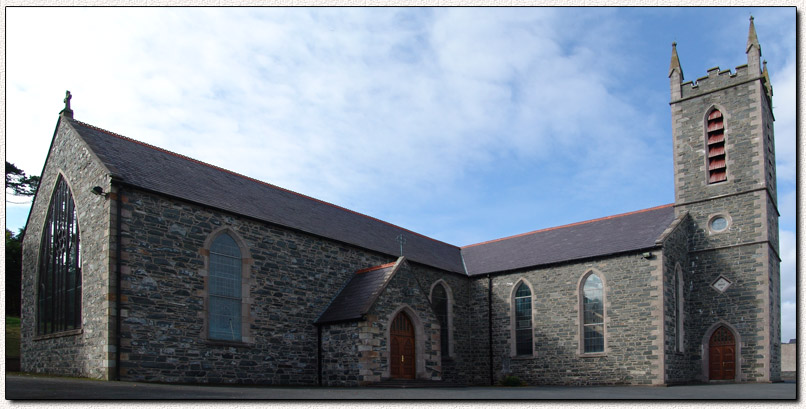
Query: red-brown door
{"type": "Point", "coordinates": [722, 355]}
{"type": "Point", "coordinates": [402, 343]}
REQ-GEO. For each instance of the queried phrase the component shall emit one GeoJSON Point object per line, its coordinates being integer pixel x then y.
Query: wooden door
{"type": "Point", "coordinates": [722, 355]}
{"type": "Point", "coordinates": [402, 347]}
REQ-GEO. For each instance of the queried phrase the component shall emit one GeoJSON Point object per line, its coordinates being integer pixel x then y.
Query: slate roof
{"type": "Point", "coordinates": [155, 169]}
{"type": "Point", "coordinates": [610, 235]}
{"type": "Point", "coordinates": [358, 295]}
{"type": "Point", "coordinates": [151, 168]}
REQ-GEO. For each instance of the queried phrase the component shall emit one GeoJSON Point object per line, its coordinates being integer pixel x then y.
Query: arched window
{"type": "Point", "coordinates": [59, 286]}
{"type": "Point", "coordinates": [439, 299]}
{"type": "Point", "coordinates": [224, 291]}
{"type": "Point", "coordinates": [523, 320]}
{"type": "Point", "coordinates": [715, 143]}
{"type": "Point", "coordinates": [593, 314]}
{"type": "Point", "coordinates": [678, 308]}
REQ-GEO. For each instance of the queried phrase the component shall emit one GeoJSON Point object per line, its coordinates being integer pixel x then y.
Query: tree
{"type": "Point", "coordinates": [13, 272]}
{"type": "Point", "coordinates": [19, 183]}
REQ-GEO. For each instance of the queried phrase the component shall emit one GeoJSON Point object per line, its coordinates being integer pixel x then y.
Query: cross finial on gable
{"type": "Point", "coordinates": [67, 111]}
{"type": "Point", "coordinates": [402, 241]}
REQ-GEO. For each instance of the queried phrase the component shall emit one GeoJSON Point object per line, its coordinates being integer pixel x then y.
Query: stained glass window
{"type": "Point", "coordinates": [225, 289]}
{"type": "Point", "coordinates": [523, 320]}
{"type": "Point", "coordinates": [59, 286]}
{"type": "Point", "coordinates": [593, 311]}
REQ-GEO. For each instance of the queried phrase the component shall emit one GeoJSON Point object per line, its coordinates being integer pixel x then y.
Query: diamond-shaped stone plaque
{"type": "Point", "coordinates": [721, 284]}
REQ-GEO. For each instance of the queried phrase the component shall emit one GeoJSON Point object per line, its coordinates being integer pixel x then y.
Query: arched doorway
{"type": "Point", "coordinates": [402, 351]}
{"type": "Point", "coordinates": [722, 355]}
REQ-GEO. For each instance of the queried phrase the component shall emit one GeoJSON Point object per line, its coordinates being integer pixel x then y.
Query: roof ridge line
{"type": "Point", "coordinates": [569, 225]}
{"type": "Point", "coordinates": [179, 155]}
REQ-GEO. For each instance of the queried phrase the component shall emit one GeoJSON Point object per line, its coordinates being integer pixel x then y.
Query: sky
{"type": "Point", "coordinates": [462, 124]}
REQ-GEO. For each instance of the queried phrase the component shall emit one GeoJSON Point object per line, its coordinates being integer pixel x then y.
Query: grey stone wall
{"type": "Point", "coordinates": [341, 346]}
{"type": "Point", "coordinates": [633, 340]}
{"type": "Point", "coordinates": [86, 352]}
{"type": "Point", "coordinates": [479, 350]}
{"type": "Point", "coordinates": [289, 280]}
{"type": "Point", "coordinates": [405, 290]}
{"type": "Point", "coordinates": [458, 367]}
{"type": "Point", "coordinates": [678, 367]}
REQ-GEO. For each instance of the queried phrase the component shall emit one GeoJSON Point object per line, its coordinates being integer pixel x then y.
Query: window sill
{"type": "Point", "coordinates": [523, 357]}
{"type": "Point", "coordinates": [223, 343]}
{"type": "Point", "coordinates": [68, 333]}
{"type": "Point", "coordinates": [592, 354]}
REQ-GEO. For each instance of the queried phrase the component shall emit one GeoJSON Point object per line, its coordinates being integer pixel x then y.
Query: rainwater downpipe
{"type": "Point", "coordinates": [490, 324]}
{"type": "Point", "coordinates": [318, 354]}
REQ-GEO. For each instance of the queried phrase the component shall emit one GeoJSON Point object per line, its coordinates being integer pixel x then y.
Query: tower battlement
{"type": "Point", "coordinates": [717, 79]}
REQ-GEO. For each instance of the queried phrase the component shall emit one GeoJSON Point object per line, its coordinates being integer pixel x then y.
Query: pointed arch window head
{"type": "Point", "coordinates": [715, 147]}
{"type": "Point", "coordinates": [523, 320]}
{"type": "Point", "coordinates": [439, 299]}
{"type": "Point", "coordinates": [593, 314]}
{"type": "Point", "coordinates": [59, 286]}
{"type": "Point", "coordinates": [225, 289]}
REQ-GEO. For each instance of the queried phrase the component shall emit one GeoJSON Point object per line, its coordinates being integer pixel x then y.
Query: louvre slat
{"type": "Point", "coordinates": [715, 114]}
{"type": "Point", "coordinates": [718, 176]}
{"type": "Point", "coordinates": [716, 150]}
{"type": "Point", "coordinates": [716, 164]}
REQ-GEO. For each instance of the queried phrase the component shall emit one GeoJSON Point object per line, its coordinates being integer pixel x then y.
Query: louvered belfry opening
{"type": "Point", "coordinates": [717, 168]}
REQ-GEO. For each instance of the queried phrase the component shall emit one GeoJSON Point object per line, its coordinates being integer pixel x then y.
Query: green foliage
{"type": "Point", "coordinates": [512, 380]}
{"type": "Point", "coordinates": [12, 337]}
{"type": "Point", "coordinates": [19, 183]}
{"type": "Point", "coordinates": [13, 272]}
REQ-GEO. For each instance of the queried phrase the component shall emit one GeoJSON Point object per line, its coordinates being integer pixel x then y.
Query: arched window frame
{"type": "Point", "coordinates": [513, 320]}
{"type": "Point", "coordinates": [450, 302]}
{"type": "Point", "coordinates": [58, 290]}
{"type": "Point", "coordinates": [581, 309]}
{"type": "Point", "coordinates": [246, 284]}
{"type": "Point", "coordinates": [716, 150]}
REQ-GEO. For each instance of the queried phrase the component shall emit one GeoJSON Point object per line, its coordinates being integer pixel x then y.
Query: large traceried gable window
{"type": "Point", "coordinates": [523, 320]}
{"type": "Point", "coordinates": [593, 314]}
{"type": "Point", "coordinates": [59, 286]}
{"type": "Point", "coordinates": [224, 291]}
{"type": "Point", "coordinates": [439, 299]}
{"type": "Point", "coordinates": [715, 143]}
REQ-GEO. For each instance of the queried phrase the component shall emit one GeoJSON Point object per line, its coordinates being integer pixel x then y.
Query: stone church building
{"type": "Point", "coordinates": [141, 264]}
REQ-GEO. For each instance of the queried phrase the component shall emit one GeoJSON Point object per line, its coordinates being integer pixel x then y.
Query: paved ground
{"type": "Point", "coordinates": [22, 387]}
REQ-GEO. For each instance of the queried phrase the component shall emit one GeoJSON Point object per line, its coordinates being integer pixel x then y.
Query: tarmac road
{"type": "Point", "coordinates": [26, 387]}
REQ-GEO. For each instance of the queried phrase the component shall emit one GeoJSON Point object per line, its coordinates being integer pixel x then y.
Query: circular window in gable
{"type": "Point", "coordinates": [718, 224]}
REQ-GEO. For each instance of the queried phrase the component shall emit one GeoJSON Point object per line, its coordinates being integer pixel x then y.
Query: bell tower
{"type": "Point", "coordinates": [724, 164]}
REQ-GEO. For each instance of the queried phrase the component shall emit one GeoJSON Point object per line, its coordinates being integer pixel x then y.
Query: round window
{"type": "Point", "coordinates": [719, 223]}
